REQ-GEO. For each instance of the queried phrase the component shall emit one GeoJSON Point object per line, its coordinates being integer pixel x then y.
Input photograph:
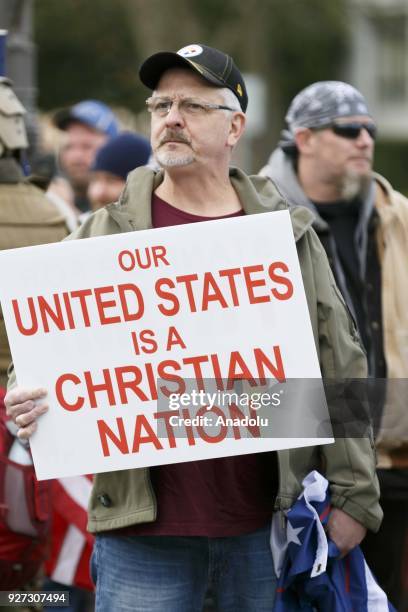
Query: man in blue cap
{"type": "Point", "coordinates": [88, 125]}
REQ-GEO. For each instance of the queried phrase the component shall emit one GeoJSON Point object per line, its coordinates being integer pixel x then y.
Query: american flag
{"type": "Point", "coordinates": [311, 577]}
{"type": "Point", "coordinates": [71, 544]}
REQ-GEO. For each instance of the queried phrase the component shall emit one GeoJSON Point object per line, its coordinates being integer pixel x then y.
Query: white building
{"type": "Point", "coordinates": [378, 64]}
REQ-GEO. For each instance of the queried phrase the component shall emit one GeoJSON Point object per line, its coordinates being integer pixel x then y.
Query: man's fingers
{"type": "Point", "coordinates": [25, 417]}
{"type": "Point", "coordinates": [24, 406]}
{"type": "Point", "coordinates": [20, 396]}
{"type": "Point", "coordinates": [18, 409]}
{"type": "Point", "coordinates": [27, 432]}
{"type": "Point", "coordinates": [345, 531]}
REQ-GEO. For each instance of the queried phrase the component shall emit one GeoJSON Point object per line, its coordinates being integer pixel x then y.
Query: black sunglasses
{"type": "Point", "coordinates": [352, 130]}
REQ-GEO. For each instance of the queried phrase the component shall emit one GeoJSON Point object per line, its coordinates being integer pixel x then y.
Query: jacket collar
{"type": "Point", "coordinates": [257, 195]}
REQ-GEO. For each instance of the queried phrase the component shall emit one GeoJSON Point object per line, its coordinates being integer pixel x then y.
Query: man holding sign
{"type": "Point", "coordinates": [166, 533]}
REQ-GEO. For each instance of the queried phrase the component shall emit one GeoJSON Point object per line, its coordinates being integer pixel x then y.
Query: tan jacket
{"type": "Point", "coordinates": [392, 237]}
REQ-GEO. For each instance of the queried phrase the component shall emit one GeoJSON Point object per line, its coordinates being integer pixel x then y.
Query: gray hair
{"type": "Point", "coordinates": [230, 99]}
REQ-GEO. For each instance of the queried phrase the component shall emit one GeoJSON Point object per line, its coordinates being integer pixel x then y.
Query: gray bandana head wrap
{"type": "Point", "coordinates": [319, 104]}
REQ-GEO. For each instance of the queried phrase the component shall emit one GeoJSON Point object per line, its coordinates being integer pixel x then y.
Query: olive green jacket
{"type": "Point", "coordinates": [126, 497]}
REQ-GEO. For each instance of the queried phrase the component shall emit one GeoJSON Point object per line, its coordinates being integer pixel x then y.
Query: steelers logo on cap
{"type": "Point", "coordinates": [239, 89]}
{"type": "Point", "coordinates": [190, 51]}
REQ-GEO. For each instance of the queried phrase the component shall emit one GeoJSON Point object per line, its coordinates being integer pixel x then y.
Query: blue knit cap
{"type": "Point", "coordinates": [122, 154]}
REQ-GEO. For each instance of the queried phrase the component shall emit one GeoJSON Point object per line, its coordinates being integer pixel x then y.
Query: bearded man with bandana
{"type": "Point", "coordinates": [324, 162]}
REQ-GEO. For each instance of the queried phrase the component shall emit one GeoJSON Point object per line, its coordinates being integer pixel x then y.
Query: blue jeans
{"type": "Point", "coordinates": [80, 600]}
{"type": "Point", "coordinates": [172, 574]}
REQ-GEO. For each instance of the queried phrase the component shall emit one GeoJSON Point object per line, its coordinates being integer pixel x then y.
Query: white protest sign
{"type": "Point", "coordinates": [98, 321]}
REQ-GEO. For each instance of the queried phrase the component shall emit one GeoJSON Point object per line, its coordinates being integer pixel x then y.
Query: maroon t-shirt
{"type": "Point", "coordinates": [222, 497]}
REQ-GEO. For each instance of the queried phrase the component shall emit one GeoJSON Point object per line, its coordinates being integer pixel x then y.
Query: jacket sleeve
{"type": "Point", "coordinates": [349, 463]}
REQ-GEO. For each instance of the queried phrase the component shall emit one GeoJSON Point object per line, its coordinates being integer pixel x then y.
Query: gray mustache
{"type": "Point", "coordinates": [174, 136]}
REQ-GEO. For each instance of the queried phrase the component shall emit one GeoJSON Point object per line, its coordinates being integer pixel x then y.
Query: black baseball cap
{"type": "Point", "coordinates": [213, 65]}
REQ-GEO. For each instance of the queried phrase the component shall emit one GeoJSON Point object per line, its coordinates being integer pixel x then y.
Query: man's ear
{"type": "Point", "coordinates": [236, 128]}
{"type": "Point", "coordinates": [304, 138]}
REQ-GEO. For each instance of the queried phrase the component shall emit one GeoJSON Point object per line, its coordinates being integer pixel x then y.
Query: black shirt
{"type": "Point", "coordinates": [365, 292]}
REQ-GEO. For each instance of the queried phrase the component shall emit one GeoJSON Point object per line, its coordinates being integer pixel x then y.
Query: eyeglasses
{"type": "Point", "coordinates": [353, 129]}
{"type": "Point", "coordinates": [160, 107]}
